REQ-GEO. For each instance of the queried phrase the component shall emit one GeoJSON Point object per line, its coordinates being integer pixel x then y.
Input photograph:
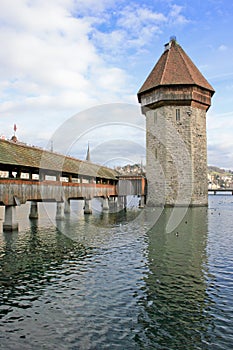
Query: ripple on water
{"type": "Point", "coordinates": [117, 287]}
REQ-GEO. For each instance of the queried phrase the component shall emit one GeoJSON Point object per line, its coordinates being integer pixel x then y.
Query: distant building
{"type": "Point", "coordinates": [174, 99]}
{"type": "Point", "coordinates": [134, 169]}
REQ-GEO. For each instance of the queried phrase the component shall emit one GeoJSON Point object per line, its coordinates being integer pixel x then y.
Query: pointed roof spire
{"type": "Point", "coordinates": [174, 67]}
{"type": "Point", "coordinates": [88, 157]}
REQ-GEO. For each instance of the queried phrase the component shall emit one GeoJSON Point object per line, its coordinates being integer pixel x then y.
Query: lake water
{"type": "Point", "coordinates": [119, 281]}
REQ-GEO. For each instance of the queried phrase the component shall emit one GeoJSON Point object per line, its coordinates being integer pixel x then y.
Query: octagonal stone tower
{"type": "Point", "coordinates": [175, 98]}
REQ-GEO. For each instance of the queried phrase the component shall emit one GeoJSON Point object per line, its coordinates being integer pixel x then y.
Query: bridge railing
{"type": "Point", "coordinates": [131, 185]}
{"type": "Point", "coordinates": [18, 191]}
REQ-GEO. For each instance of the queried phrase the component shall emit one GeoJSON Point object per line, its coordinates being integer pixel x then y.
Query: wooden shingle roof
{"type": "Point", "coordinates": [174, 67]}
{"type": "Point", "coordinates": [18, 154]}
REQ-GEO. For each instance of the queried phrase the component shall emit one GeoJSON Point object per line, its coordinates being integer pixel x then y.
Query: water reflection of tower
{"type": "Point", "coordinates": [174, 313]}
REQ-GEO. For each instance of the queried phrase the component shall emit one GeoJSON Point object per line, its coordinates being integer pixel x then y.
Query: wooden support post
{"type": "Point", "coordinates": [18, 174]}
{"type": "Point", "coordinates": [87, 206]}
{"type": "Point", "coordinates": [125, 202]}
{"type": "Point", "coordinates": [60, 211]}
{"type": "Point", "coordinates": [105, 204]}
{"type": "Point", "coordinates": [141, 202]}
{"type": "Point", "coordinates": [112, 202]}
{"type": "Point", "coordinates": [122, 200]}
{"type": "Point", "coordinates": [41, 176]}
{"type": "Point", "coordinates": [10, 223]}
{"type": "Point", "coordinates": [33, 210]}
{"type": "Point", "coordinates": [67, 207]}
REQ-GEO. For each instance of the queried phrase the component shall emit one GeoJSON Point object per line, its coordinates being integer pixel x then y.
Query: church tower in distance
{"type": "Point", "coordinates": [175, 98]}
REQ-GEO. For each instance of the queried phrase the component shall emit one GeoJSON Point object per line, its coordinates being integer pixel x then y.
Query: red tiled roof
{"type": "Point", "coordinates": [174, 68]}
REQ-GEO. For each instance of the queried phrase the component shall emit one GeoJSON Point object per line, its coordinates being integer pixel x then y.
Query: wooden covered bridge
{"type": "Point", "coordinates": [33, 174]}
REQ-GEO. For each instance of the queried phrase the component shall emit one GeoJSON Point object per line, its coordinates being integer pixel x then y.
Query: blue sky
{"type": "Point", "coordinates": [60, 58]}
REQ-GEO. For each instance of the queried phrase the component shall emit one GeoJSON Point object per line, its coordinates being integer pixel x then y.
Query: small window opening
{"type": "Point", "coordinates": [177, 115]}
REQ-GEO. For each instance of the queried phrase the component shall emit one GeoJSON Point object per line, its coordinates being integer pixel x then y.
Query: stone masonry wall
{"type": "Point", "coordinates": [176, 156]}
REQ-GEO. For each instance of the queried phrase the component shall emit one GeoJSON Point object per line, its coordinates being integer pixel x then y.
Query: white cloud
{"type": "Point", "coordinates": [93, 7]}
{"type": "Point", "coordinates": [47, 48]}
{"type": "Point", "coordinates": [134, 28]}
{"type": "Point", "coordinates": [175, 15]}
{"type": "Point", "coordinates": [48, 62]}
{"type": "Point", "coordinates": [222, 47]}
{"type": "Point", "coordinates": [220, 142]}
{"type": "Point", "coordinates": [135, 18]}
{"type": "Point", "coordinates": [113, 130]}
{"type": "Point", "coordinates": [59, 57]}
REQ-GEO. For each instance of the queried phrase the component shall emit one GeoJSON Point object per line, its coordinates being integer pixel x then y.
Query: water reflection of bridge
{"type": "Point", "coordinates": [36, 175]}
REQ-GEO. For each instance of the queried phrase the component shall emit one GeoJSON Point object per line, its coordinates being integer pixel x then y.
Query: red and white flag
{"type": "Point", "coordinates": [15, 128]}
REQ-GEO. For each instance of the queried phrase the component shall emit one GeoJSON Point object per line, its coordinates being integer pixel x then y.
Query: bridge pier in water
{"type": "Point", "coordinates": [87, 206]}
{"type": "Point", "coordinates": [67, 207]}
{"type": "Point", "coordinates": [16, 192]}
{"type": "Point", "coordinates": [122, 202]}
{"type": "Point", "coordinates": [33, 210]}
{"type": "Point", "coordinates": [10, 222]}
{"type": "Point", "coordinates": [44, 180]}
{"type": "Point", "coordinates": [105, 205]}
{"type": "Point", "coordinates": [60, 213]}
{"type": "Point", "coordinates": [115, 203]}
{"type": "Point", "coordinates": [142, 202]}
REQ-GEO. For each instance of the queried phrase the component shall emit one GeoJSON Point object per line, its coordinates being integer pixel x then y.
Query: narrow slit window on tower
{"type": "Point", "coordinates": [177, 115]}
{"type": "Point", "coordinates": [156, 153]}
